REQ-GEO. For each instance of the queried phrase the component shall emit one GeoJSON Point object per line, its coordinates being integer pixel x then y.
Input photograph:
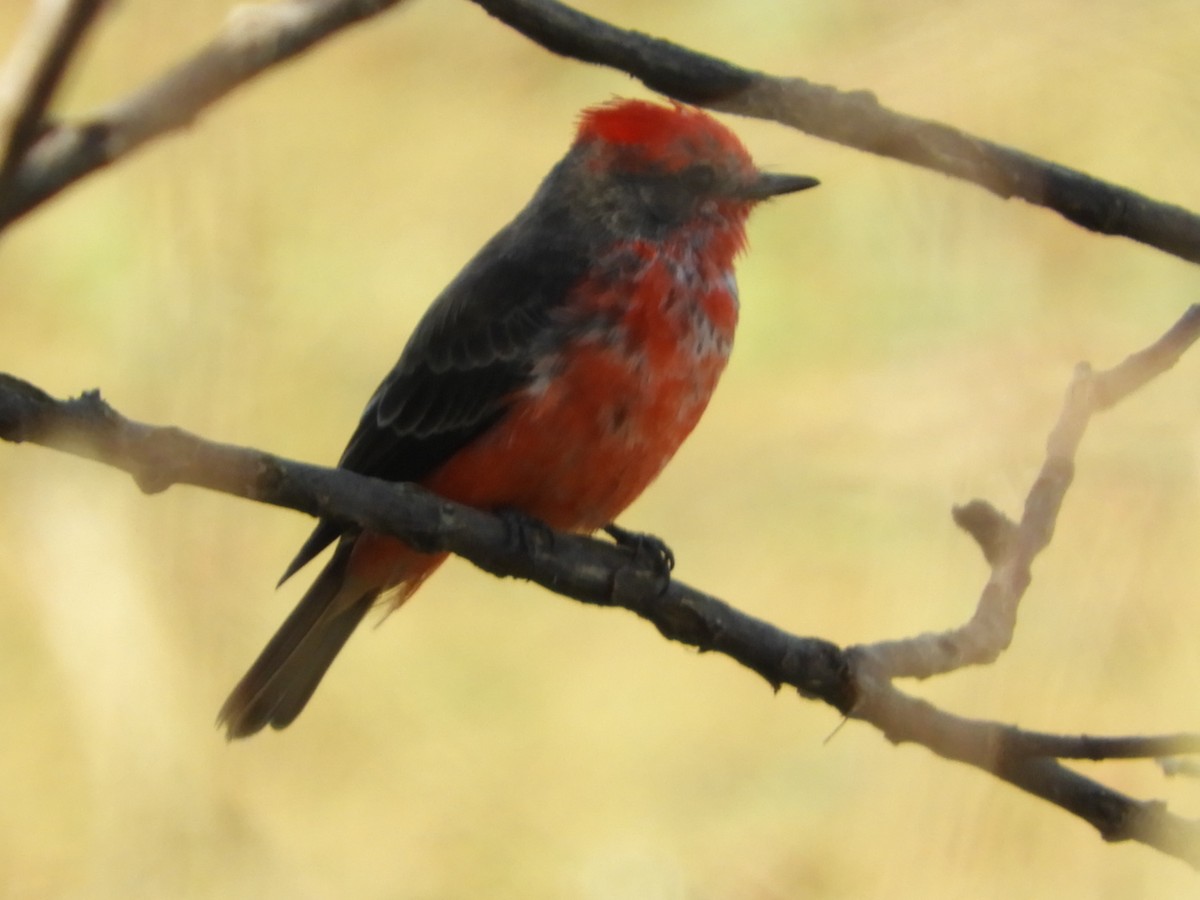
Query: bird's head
{"type": "Point", "coordinates": [657, 168]}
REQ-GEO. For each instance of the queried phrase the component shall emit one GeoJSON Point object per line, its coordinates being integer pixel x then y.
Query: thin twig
{"type": "Point", "coordinates": [34, 70]}
{"type": "Point", "coordinates": [1011, 549]}
{"type": "Point", "coordinates": [253, 39]}
{"type": "Point", "coordinates": [1083, 746]}
{"type": "Point", "coordinates": [854, 119]}
{"type": "Point", "coordinates": [1001, 750]}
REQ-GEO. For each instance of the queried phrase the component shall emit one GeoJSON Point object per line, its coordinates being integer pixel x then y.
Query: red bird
{"type": "Point", "coordinates": [554, 377]}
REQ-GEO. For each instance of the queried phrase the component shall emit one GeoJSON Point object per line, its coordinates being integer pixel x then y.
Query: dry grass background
{"type": "Point", "coordinates": [905, 343]}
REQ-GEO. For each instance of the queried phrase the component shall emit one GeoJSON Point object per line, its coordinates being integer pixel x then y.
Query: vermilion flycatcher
{"type": "Point", "coordinates": [554, 377]}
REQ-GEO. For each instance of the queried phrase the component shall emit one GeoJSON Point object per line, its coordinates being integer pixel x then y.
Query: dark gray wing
{"type": "Point", "coordinates": [472, 350]}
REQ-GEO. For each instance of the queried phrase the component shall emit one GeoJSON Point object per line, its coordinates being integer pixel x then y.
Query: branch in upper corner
{"type": "Point", "coordinates": [258, 37]}
{"type": "Point", "coordinates": [253, 39]}
{"type": "Point", "coordinates": [855, 119]}
{"type": "Point", "coordinates": [1011, 550]}
{"type": "Point", "coordinates": [33, 71]}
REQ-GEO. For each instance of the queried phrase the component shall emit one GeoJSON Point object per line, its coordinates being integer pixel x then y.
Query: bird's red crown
{"type": "Point", "coordinates": [668, 137]}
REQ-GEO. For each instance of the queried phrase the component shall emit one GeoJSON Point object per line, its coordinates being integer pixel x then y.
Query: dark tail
{"type": "Point", "coordinates": [290, 667]}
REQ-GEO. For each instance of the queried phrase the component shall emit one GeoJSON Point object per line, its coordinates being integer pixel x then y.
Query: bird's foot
{"type": "Point", "coordinates": [646, 547]}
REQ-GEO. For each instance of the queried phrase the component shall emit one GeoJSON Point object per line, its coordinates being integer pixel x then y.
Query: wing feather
{"type": "Point", "coordinates": [474, 348]}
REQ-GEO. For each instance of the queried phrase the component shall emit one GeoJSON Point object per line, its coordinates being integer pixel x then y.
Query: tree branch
{"type": "Point", "coordinates": [1005, 752]}
{"type": "Point", "coordinates": [34, 69]}
{"type": "Point", "coordinates": [253, 39]}
{"type": "Point", "coordinates": [1011, 549]}
{"type": "Point", "coordinates": [854, 119]}
{"type": "Point", "coordinates": [856, 681]}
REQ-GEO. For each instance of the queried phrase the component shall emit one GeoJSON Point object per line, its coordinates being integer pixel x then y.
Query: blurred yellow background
{"type": "Point", "coordinates": [904, 346]}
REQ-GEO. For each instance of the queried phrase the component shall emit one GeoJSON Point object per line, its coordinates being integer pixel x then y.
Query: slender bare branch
{"type": "Point", "coordinates": [1114, 385]}
{"type": "Point", "coordinates": [258, 37]}
{"type": "Point", "coordinates": [1003, 751]}
{"type": "Point", "coordinates": [1174, 767]}
{"type": "Point", "coordinates": [855, 119]}
{"type": "Point", "coordinates": [35, 68]}
{"type": "Point", "coordinates": [253, 39]}
{"type": "Point", "coordinates": [1083, 746]}
{"type": "Point", "coordinates": [1011, 549]}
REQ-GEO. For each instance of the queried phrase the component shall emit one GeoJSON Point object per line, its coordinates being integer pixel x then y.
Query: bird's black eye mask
{"type": "Point", "coordinates": [672, 198]}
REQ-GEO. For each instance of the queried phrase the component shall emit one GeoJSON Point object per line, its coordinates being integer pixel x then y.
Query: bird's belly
{"type": "Point", "coordinates": [594, 428]}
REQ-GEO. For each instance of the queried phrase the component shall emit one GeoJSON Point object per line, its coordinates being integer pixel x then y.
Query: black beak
{"type": "Point", "coordinates": [770, 184]}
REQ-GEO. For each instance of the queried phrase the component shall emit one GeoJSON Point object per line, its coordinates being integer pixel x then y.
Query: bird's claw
{"type": "Point", "coordinates": [645, 547]}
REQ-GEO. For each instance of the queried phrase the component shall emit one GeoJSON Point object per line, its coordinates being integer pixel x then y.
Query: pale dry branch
{"type": "Point", "coordinates": [1011, 549]}
{"type": "Point", "coordinates": [35, 68]}
{"type": "Point", "coordinates": [253, 39]}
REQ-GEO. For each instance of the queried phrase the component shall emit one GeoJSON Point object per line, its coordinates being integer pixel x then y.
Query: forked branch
{"type": "Point", "coordinates": [857, 681]}
{"type": "Point", "coordinates": [1011, 549]}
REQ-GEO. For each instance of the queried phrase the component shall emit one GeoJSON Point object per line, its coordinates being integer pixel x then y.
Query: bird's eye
{"type": "Point", "coordinates": [700, 178]}
{"type": "Point", "coordinates": [672, 198]}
